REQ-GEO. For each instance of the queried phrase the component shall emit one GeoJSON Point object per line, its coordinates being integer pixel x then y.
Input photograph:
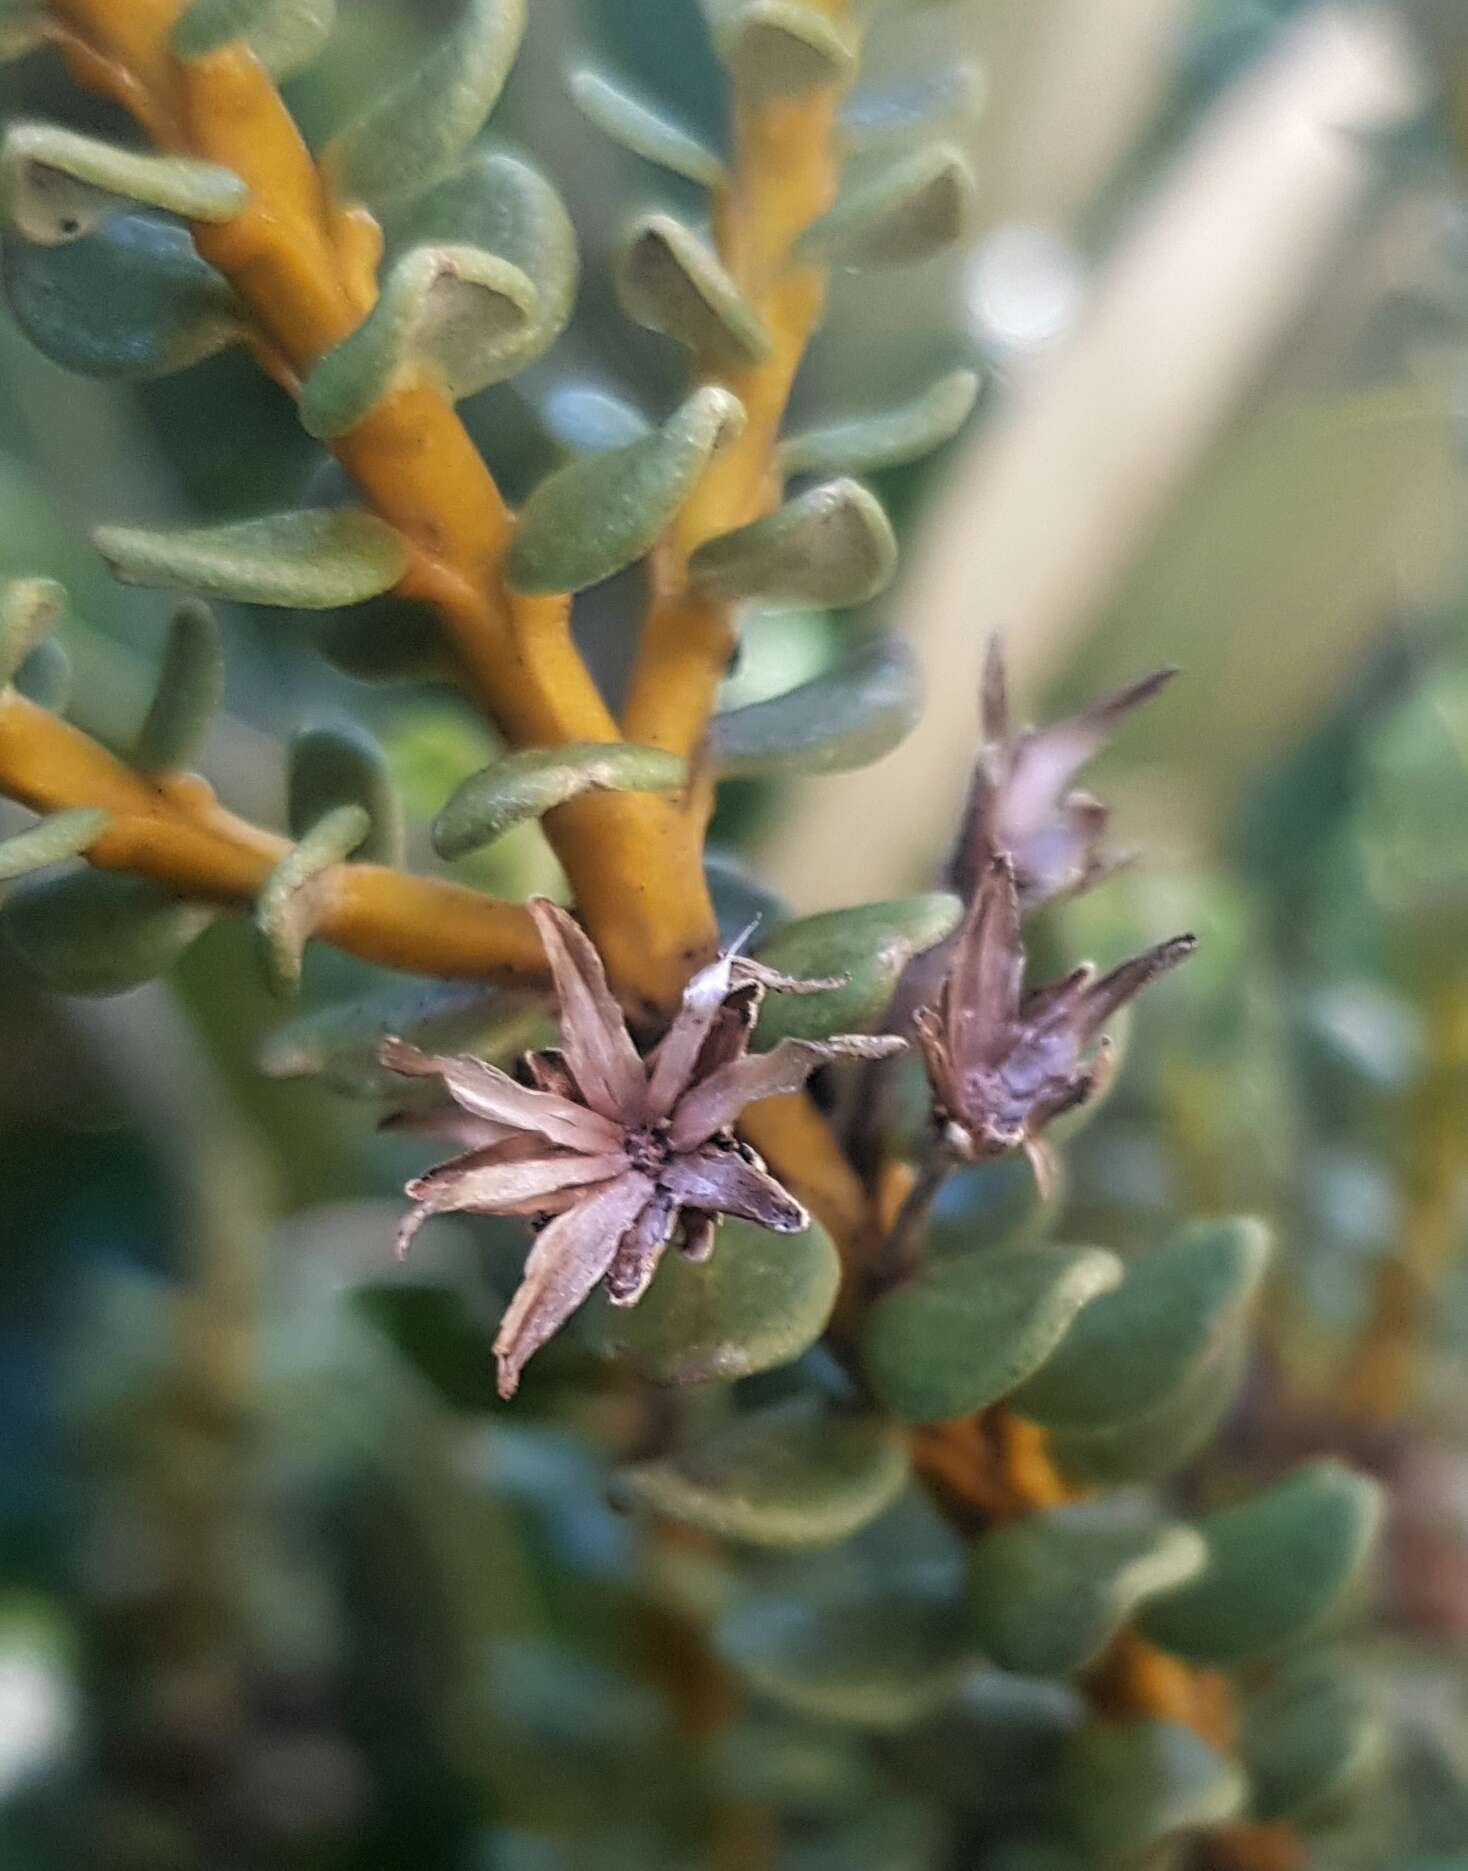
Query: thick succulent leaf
{"type": "Point", "coordinates": [1161, 1440]}
{"type": "Point", "coordinates": [1126, 1786]}
{"type": "Point", "coordinates": [637, 127]}
{"type": "Point", "coordinates": [289, 906]}
{"type": "Point", "coordinates": [1048, 1594]}
{"type": "Point", "coordinates": [870, 1659]}
{"type": "Point", "coordinates": [866, 949]}
{"type": "Point", "coordinates": [63, 835]}
{"type": "Point", "coordinates": [45, 677]}
{"type": "Point", "coordinates": [832, 546]}
{"type": "Point", "coordinates": [95, 932]}
{"type": "Point", "coordinates": [134, 300]}
{"type": "Point", "coordinates": [789, 1476]}
{"type": "Point", "coordinates": [60, 185]}
{"type": "Point", "coordinates": [341, 1043]}
{"type": "Point", "coordinates": [670, 281]}
{"type": "Point", "coordinates": [30, 609]}
{"type": "Point", "coordinates": [1278, 1566]}
{"type": "Point", "coordinates": [387, 639]}
{"type": "Point", "coordinates": [1309, 1739]}
{"type": "Point", "coordinates": [423, 125]}
{"type": "Point", "coordinates": [889, 438]}
{"type": "Point", "coordinates": [772, 1761]}
{"type": "Point", "coordinates": [285, 35]}
{"type": "Point", "coordinates": [896, 215]}
{"type": "Point", "coordinates": [527, 785]}
{"type": "Point", "coordinates": [1140, 1344]}
{"type": "Point", "coordinates": [780, 48]}
{"type": "Point", "coordinates": [760, 1301]}
{"type": "Point", "coordinates": [994, 1749]}
{"type": "Point", "coordinates": [502, 205]}
{"type": "Point", "coordinates": [847, 718]}
{"type": "Point", "coordinates": [189, 690]}
{"type": "Point", "coordinates": [968, 1328]}
{"type": "Point", "coordinates": [453, 315]}
{"type": "Point", "coordinates": [344, 766]}
{"type": "Point", "coordinates": [916, 107]}
{"type": "Point", "coordinates": [311, 560]}
{"type": "Point", "coordinates": [600, 515]}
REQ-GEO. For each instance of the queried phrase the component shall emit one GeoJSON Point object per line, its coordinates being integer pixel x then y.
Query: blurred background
{"type": "Point", "coordinates": [258, 1508]}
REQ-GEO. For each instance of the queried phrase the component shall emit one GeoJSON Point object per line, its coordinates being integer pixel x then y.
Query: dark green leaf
{"type": "Point", "coordinates": [1309, 1739]}
{"type": "Point", "coordinates": [344, 766]}
{"type": "Point", "coordinates": [1123, 1787]}
{"type": "Point", "coordinates": [528, 785]}
{"type": "Point", "coordinates": [844, 719]}
{"type": "Point", "coordinates": [868, 946]}
{"type": "Point", "coordinates": [94, 932]}
{"type": "Point", "coordinates": [190, 688]}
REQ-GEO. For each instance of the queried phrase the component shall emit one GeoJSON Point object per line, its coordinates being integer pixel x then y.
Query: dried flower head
{"type": "Point", "coordinates": [1004, 1064]}
{"type": "Point", "coordinates": [615, 1154]}
{"type": "Point", "coordinates": [1021, 803]}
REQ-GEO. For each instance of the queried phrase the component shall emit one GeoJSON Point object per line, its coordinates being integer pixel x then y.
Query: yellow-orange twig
{"type": "Point", "coordinates": [176, 833]}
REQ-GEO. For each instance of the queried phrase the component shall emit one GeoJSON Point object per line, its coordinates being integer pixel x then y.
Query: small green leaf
{"type": "Point", "coordinates": [63, 835]}
{"type": "Point", "coordinates": [637, 127]}
{"type": "Point", "coordinates": [869, 947]}
{"type": "Point", "coordinates": [133, 301]}
{"type": "Point", "coordinates": [1048, 1594]}
{"type": "Point", "coordinates": [758, 1303]}
{"type": "Point", "coordinates": [59, 185]}
{"type": "Point", "coordinates": [95, 932]}
{"type": "Point", "coordinates": [994, 1749]}
{"type": "Point", "coordinates": [968, 1328]}
{"type": "Point", "coordinates": [916, 107]}
{"type": "Point", "coordinates": [30, 609]}
{"type": "Point", "coordinates": [847, 718]}
{"type": "Point", "coordinates": [45, 676]}
{"type": "Point", "coordinates": [600, 515]}
{"type": "Point", "coordinates": [285, 35]}
{"type": "Point", "coordinates": [1159, 1441]}
{"type": "Point", "coordinates": [1309, 1739]}
{"type": "Point", "coordinates": [888, 439]}
{"type": "Point", "coordinates": [1136, 1347]}
{"type": "Point", "coordinates": [832, 546]}
{"type": "Point", "coordinates": [1123, 1787]}
{"type": "Point", "coordinates": [290, 905]}
{"type": "Point", "coordinates": [339, 1044]}
{"type": "Point", "coordinates": [904, 212]}
{"type": "Point", "coordinates": [310, 560]}
{"type": "Point", "coordinates": [527, 785]}
{"type": "Point", "coordinates": [190, 688]}
{"type": "Point", "coordinates": [789, 1476]}
{"type": "Point", "coordinates": [453, 314]}
{"type": "Point", "coordinates": [780, 48]}
{"type": "Point", "coordinates": [871, 1660]}
{"type": "Point", "coordinates": [1277, 1568]}
{"type": "Point", "coordinates": [425, 123]}
{"type": "Point", "coordinates": [669, 281]}
{"type": "Point", "coordinates": [344, 766]}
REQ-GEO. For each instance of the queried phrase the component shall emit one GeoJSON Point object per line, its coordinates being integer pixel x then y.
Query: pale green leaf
{"type": "Point", "coordinates": [45, 677]}
{"type": "Point", "coordinates": [637, 127]}
{"type": "Point", "coordinates": [903, 212]}
{"type": "Point", "coordinates": [1309, 1739]}
{"type": "Point", "coordinates": [789, 1476]}
{"type": "Point", "coordinates": [285, 35]}
{"type": "Point", "coordinates": [344, 766]}
{"type": "Point", "coordinates": [424, 124]}
{"type": "Point", "coordinates": [63, 835]}
{"type": "Point", "coordinates": [30, 609]}
{"type": "Point", "coordinates": [291, 904]}
{"type": "Point", "coordinates": [865, 948]}
{"type": "Point", "coordinates": [832, 546]}
{"type": "Point", "coordinates": [189, 690]}
{"type": "Point", "coordinates": [966, 1329]}
{"type": "Point", "coordinates": [60, 185]}
{"type": "Point", "coordinates": [1049, 1593]}
{"type": "Point", "coordinates": [780, 48]}
{"type": "Point", "coordinates": [887, 439]}
{"type": "Point", "coordinates": [844, 719]}
{"type": "Point", "coordinates": [670, 281]}
{"type": "Point", "coordinates": [1278, 1566]}
{"type": "Point", "coordinates": [527, 785]}
{"type": "Point", "coordinates": [134, 300]}
{"type": "Point", "coordinates": [96, 932]}
{"type": "Point", "coordinates": [310, 560]}
{"type": "Point", "coordinates": [602, 514]}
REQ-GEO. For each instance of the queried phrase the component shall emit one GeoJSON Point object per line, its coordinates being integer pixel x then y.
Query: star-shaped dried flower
{"type": "Point", "coordinates": [1021, 804]}
{"type": "Point", "coordinates": [615, 1154]}
{"type": "Point", "coordinates": [1004, 1064]}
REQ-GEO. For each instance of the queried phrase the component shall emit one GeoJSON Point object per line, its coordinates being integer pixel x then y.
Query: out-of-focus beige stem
{"type": "Point", "coordinates": [1069, 482]}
